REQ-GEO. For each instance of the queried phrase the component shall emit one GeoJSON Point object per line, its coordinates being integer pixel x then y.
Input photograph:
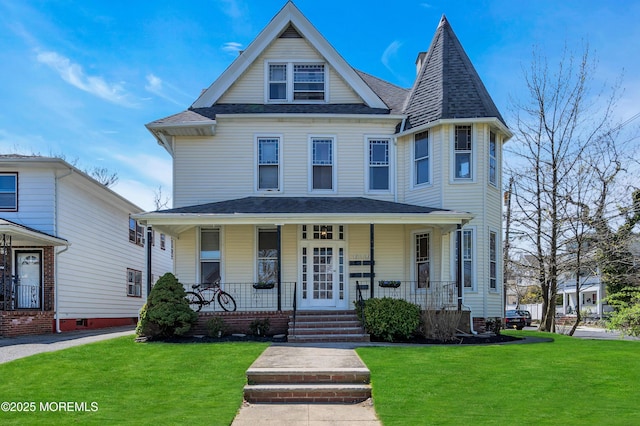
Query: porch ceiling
{"type": "Point", "coordinates": [24, 236]}
{"type": "Point", "coordinates": [301, 211]}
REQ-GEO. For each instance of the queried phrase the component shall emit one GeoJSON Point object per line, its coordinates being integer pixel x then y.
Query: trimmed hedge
{"type": "Point", "coordinates": [391, 319]}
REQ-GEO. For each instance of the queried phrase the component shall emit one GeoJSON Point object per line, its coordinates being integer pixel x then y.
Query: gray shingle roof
{"type": "Point", "coordinates": [392, 95]}
{"type": "Point", "coordinates": [302, 205]}
{"type": "Point", "coordinates": [287, 109]}
{"type": "Point", "coordinates": [447, 85]}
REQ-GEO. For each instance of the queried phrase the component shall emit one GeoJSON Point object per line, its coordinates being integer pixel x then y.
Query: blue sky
{"type": "Point", "coordinates": [81, 78]}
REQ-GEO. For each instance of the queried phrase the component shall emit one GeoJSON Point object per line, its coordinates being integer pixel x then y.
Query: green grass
{"type": "Point", "coordinates": [132, 383]}
{"type": "Point", "coordinates": [570, 382]}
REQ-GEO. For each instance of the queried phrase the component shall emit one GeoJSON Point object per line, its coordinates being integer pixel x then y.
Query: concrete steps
{"type": "Point", "coordinates": [329, 326]}
{"type": "Point", "coordinates": [307, 375]}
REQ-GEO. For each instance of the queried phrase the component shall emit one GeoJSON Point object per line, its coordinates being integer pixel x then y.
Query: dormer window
{"type": "Point", "coordinates": [296, 82]}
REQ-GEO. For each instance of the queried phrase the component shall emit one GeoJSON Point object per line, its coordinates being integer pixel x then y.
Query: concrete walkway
{"type": "Point", "coordinates": [20, 347]}
{"type": "Point", "coordinates": [326, 357]}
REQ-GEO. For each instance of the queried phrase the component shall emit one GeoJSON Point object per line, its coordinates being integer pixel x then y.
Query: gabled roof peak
{"type": "Point", "coordinates": [291, 22]}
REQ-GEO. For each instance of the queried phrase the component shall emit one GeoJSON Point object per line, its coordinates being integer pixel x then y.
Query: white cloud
{"type": "Point", "coordinates": [73, 74]}
{"type": "Point", "coordinates": [164, 90]}
{"type": "Point", "coordinates": [238, 11]}
{"type": "Point", "coordinates": [389, 53]}
{"type": "Point", "coordinates": [232, 47]}
{"type": "Point", "coordinates": [139, 193]}
{"type": "Point", "coordinates": [155, 168]}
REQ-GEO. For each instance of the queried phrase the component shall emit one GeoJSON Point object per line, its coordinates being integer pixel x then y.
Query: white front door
{"type": "Point", "coordinates": [29, 275]}
{"type": "Point", "coordinates": [322, 276]}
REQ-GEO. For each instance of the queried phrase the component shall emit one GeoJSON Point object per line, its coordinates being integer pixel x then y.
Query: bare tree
{"type": "Point", "coordinates": [103, 175]}
{"type": "Point", "coordinates": [159, 200]}
{"type": "Point", "coordinates": [560, 119]}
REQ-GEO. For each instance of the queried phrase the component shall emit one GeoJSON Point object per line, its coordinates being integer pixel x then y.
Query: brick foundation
{"type": "Point", "coordinates": [238, 322]}
{"type": "Point", "coordinates": [72, 324]}
{"type": "Point", "coordinates": [21, 323]}
{"type": "Point", "coordinates": [479, 324]}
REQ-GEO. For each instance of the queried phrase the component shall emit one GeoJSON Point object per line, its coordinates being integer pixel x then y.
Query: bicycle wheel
{"type": "Point", "coordinates": [226, 301]}
{"type": "Point", "coordinates": [195, 301]}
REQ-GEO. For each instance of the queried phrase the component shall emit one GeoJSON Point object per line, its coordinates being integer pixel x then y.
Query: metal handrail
{"type": "Point", "coordinates": [295, 308]}
{"type": "Point", "coordinates": [360, 301]}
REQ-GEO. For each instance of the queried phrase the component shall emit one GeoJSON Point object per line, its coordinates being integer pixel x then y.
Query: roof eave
{"type": "Point", "coordinates": [490, 120]}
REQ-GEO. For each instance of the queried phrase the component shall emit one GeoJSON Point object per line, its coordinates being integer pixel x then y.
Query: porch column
{"type": "Point", "coordinates": [459, 266]}
{"type": "Point", "coordinates": [149, 251]}
{"type": "Point", "coordinates": [371, 257]}
{"type": "Point", "coordinates": [279, 232]}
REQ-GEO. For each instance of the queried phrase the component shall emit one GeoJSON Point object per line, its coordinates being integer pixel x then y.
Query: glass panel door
{"type": "Point", "coordinates": [29, 274]}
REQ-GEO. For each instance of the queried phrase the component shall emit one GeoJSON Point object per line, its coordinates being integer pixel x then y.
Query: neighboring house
{"type": "Point", "coordinates": [295, 169]}
{"type": "Point", "coordinates": [71, 255]}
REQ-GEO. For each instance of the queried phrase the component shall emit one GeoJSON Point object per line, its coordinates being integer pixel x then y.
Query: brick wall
{"type": "Point", "coordinates": [25, 322]}
{"type": "Point", "coordinates": [21, 323]}
{"type": "Point", "coordinates": [238, 322]}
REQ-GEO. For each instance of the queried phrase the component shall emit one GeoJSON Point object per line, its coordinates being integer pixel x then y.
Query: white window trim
{"type": "Point", "coordinates": [474, 258]}
{"type": "Point", "coordinates": [256, 146]}
{"type": "Point", "coordinates": [334, 164]}
{"type": "Point", "coordinates": [198, 260]}
{"type": "Point", "coordinates": [256, 242]}
{"type": "Point", "coordinates": [414, 254]}
{"type": "Point", "coordinates": [472, 162]}
{"type": "Point", "coordinates": [15, 207]}
{"type": "Point", "coordinates": [290, 63]}
{"type": "Point", "coordinates": [413, 162]}
{"type": "Point", "coordinates": [489, 157]}
{"type": "Point", "coordinates": [498, 260]}
{"type": "Point", "coordinates": [391, 166]}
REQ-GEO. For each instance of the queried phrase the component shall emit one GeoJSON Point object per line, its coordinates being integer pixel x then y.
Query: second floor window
{"type": "Point", "coordinates": [463, 152]}
{"type": "Point", "coordinates": [8, 191]}
{"type": "Point", "coordinates": [493, 163]}
{"type": "Point", "coordinates": [379, 165]}
{"type": "Point", "coordinates": [268, 164]}
{"type": "Point", "coordinates": [136, 232]}
{"type": "Point", "coordinates": [322, 160]}
{"type": "Point", "coordinates": [421, 158]}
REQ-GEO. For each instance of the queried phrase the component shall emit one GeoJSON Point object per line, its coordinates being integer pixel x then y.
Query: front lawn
{"type": "Point", "coordinates": [570, 381]}
{"type": "Point", "coordinates": [121, 382]}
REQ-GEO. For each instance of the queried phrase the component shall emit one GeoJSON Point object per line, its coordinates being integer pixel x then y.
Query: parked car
{"type": "Point", "coordinates": [514, 319]}
{"type": "Point", "coordinates": [527, 316]}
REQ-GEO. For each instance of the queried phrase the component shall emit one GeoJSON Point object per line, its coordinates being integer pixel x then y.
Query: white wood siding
{"type": "Point", "coordinates": [92, 273]}
{"type": "Point", "coordinates": [36, 198]}
{"type": "Point", "coordinates": [249, 88]}
{"type": "Point", "coordinates": [224, 166]}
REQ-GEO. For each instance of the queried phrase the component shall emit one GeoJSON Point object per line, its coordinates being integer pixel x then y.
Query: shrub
{"type": "Point", "coordinates": [259, 327]}
{"type": "Point", "coordinates": [626, 319]}
{"type": "Point", "coordinates": [216, 327]}
{"type": "Point", "coordinates": [493, 325]}
{"type": "Point", "coordinates": [167, 312]}
{"type": "Point", "coordinates": [391, 319]}
{"type": "Point", "coordinates": [441, 324]}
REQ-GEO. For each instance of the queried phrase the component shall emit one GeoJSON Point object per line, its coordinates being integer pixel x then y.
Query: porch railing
{"type": "Point", "coordinates": [431, 295]}
{"type": "Point", "coordinates": [14, 295]}
{"type": "Point", "coordinates": [252, 296]}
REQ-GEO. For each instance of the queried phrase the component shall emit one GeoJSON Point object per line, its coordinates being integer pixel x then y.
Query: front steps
{"type": "Point", "coordinates": [307, 375]}
{"type": "Point", "coordinates": [326, 326]}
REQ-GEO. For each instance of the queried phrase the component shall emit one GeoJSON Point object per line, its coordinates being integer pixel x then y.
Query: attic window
{"type": "Point", "coordinates": [290, 32]}
{"type": "Point", "coordinates": [295, 82]}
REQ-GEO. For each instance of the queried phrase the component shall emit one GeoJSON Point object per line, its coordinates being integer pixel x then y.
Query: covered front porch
{"type": "Point", "coordinates": [281, 254]}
